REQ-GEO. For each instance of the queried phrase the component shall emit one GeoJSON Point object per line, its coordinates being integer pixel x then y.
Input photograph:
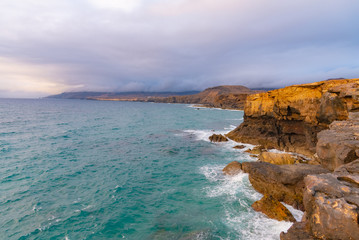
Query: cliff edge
{"type": "Point", "coordinates": [290, 118]}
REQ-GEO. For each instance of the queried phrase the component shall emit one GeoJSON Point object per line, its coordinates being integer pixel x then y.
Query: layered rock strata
{"type": "Point", "coordinates": [331, 203]}
{"type": "Point", "coordinates": [290, 118]}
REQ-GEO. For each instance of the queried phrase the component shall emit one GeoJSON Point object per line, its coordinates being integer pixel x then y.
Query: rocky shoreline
{"type": "Point", "coordinates": [319, 121]}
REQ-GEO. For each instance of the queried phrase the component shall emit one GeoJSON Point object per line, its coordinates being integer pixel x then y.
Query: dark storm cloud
{"type": "Point", "coordinates": [174, 45]}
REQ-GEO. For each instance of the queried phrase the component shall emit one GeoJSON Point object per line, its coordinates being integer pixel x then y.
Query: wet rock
{"type": "Point", "coordinates": [232, 168]}
{"type": "Point", "coordinates": [297, 231]}
{"type": "Point", "coordinates": [273, 209]}
{"type": "Point", "coordinates": [284, 182]}
{"type": "Point", "coordinates": [277, 158]}
{"type": "Point", "coordinates": [218, 138]}
{"type": "Point", "coordinates": [239, 147]}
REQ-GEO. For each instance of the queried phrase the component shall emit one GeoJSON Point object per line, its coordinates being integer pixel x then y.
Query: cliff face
{"type": "Point", "coordinates": [290, 118]}
{"type": "Point", "coordinates": [229, 97]}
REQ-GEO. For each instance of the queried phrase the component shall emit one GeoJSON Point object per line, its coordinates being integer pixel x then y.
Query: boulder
{"type": "Point", "coordinates": [256, 150]}
{"type": "Point", "coordinates": [233, 168]}
{"type": "Point", "coordinates": [273, 209]}
{"type": "Point", "coordinates": [340, 143]}
{"type": "Point", "coordinates": [218, 138]}
{"type": "Point", "coordinates": [331, 203]}
{"type": "Point", "coordinates": [277, 158]}
{"type": "Point", "coordinates": [239, 147]}
{"type": "Point", "coordinates": [332, 207]}
{"type": "Point", "coordinates": [284, 182]}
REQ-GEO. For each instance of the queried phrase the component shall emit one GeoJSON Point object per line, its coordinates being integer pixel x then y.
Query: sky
{"type": "Point", "coordinates": [51, 46]}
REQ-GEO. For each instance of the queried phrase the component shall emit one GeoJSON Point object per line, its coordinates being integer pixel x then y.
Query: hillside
{"type": "Point", "coordinates": [227, 96]}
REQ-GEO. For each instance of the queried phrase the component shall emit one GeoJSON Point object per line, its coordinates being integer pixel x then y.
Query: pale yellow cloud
{"type": "Point", "coordinates": [20, 76]}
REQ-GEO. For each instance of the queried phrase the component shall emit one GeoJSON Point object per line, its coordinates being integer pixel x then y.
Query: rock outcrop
{"type": "Point", "coordinates": [340, 144]}
{"type": "Point", "coordinates": [273, 209]}
{"type": "Point", "coordinates": [218, 138]}
{"type": "Point", "coordinates": [233, 168]}
{"type": "Point", "coordinates": [239, 147]}
{"type": "Point", "coordinates": [283, 182]}
{"type": "Point", "coordinates": [331, 203]}
{"type": "Point", "coordinates": [290, 118]}
{"type": "Point", "coordinates": [277, 158]}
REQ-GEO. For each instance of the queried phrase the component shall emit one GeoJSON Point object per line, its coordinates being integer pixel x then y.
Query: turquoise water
{"type": "Point", "coordinates": [73, 169]}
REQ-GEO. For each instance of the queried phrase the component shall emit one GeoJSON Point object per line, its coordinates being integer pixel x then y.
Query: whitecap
{"type": "Point", "coordinates": [297, 214]}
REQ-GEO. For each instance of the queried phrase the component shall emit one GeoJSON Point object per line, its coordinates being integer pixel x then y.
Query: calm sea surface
{"type": "Point", "coordinates": [76, 169]}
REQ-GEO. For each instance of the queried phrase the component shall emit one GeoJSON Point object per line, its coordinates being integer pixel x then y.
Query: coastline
{"type": "Point", "coordinates": [333, 149]}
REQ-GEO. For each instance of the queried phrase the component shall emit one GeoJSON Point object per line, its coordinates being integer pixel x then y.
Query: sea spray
{"type": "Point", "coordinates": [119, 170]}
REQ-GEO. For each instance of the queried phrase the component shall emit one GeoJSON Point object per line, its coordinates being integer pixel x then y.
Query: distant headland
{"type": "Point", "coordinates": [227, 97]}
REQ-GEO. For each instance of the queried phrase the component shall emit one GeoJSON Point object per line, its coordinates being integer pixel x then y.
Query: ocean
{"type": "Point", "coordinates": [77, 169]}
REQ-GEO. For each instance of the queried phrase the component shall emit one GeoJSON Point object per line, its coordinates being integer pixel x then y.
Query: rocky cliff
{"type": "Point", "coordinates": [320, 120]}
{"type": "Point", "coordinates": [290, 118]}
{"type": "Point", "coordinates": [229, 97]}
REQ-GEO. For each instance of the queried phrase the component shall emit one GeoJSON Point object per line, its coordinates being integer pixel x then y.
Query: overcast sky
{"type": "Point", "coordinates": [51, 46]}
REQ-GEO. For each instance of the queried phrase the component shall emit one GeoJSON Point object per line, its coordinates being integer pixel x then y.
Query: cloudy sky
{"type": "Point", "coordinates": [51, 46]}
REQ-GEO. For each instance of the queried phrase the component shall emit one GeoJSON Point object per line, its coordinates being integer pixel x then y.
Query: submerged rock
{"type": "Point", "coordinates": [284, 182]}
{"type": "Point", "coordinates": [273, 209]}
{"type": "Point", "coordinates": [233, 168]}
{"type": "Point", "coordinates": [218, 138]}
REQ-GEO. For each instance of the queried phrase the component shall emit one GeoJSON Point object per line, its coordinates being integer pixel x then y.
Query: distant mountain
{"type": "Point", "coordinates": [119, 96]}
{"type": "Point", "coordinates": [229, 97]}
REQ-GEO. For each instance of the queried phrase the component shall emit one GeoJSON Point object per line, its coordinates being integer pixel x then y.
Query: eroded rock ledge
{"type": "Point", "coordinates": [290, 118]}
{"type": "Point", "coordinates": [319, 120]}
{"type": "Point", "coordinates": [331, 203]}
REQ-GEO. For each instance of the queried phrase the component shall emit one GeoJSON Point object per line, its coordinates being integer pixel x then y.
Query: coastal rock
{"type": "Point", "coordinates": [277, 158]}
{"type": "Point", "coordinates": [233, 168]}
{"type": "Point", "coordinates": [297, 231]}
{"type": "Point", "coordinates": [350, 168]}
{"type": "Point", "coordinates": [239, 147]}
{"type": "Point", "coordinates": [273, 209]}
{"type": "Point", "coordinates": [218, 138]}
{"type": "Point", "coordinates": [256, 150]}
{"type": "Point", "coordinates": [290, 118]}
{"type": "Point", "coordinates": [284, 182]}
{"type": "Point", "coordinates": [332, 205]}
{"type": "Point", "coordinates": [340, 143]}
